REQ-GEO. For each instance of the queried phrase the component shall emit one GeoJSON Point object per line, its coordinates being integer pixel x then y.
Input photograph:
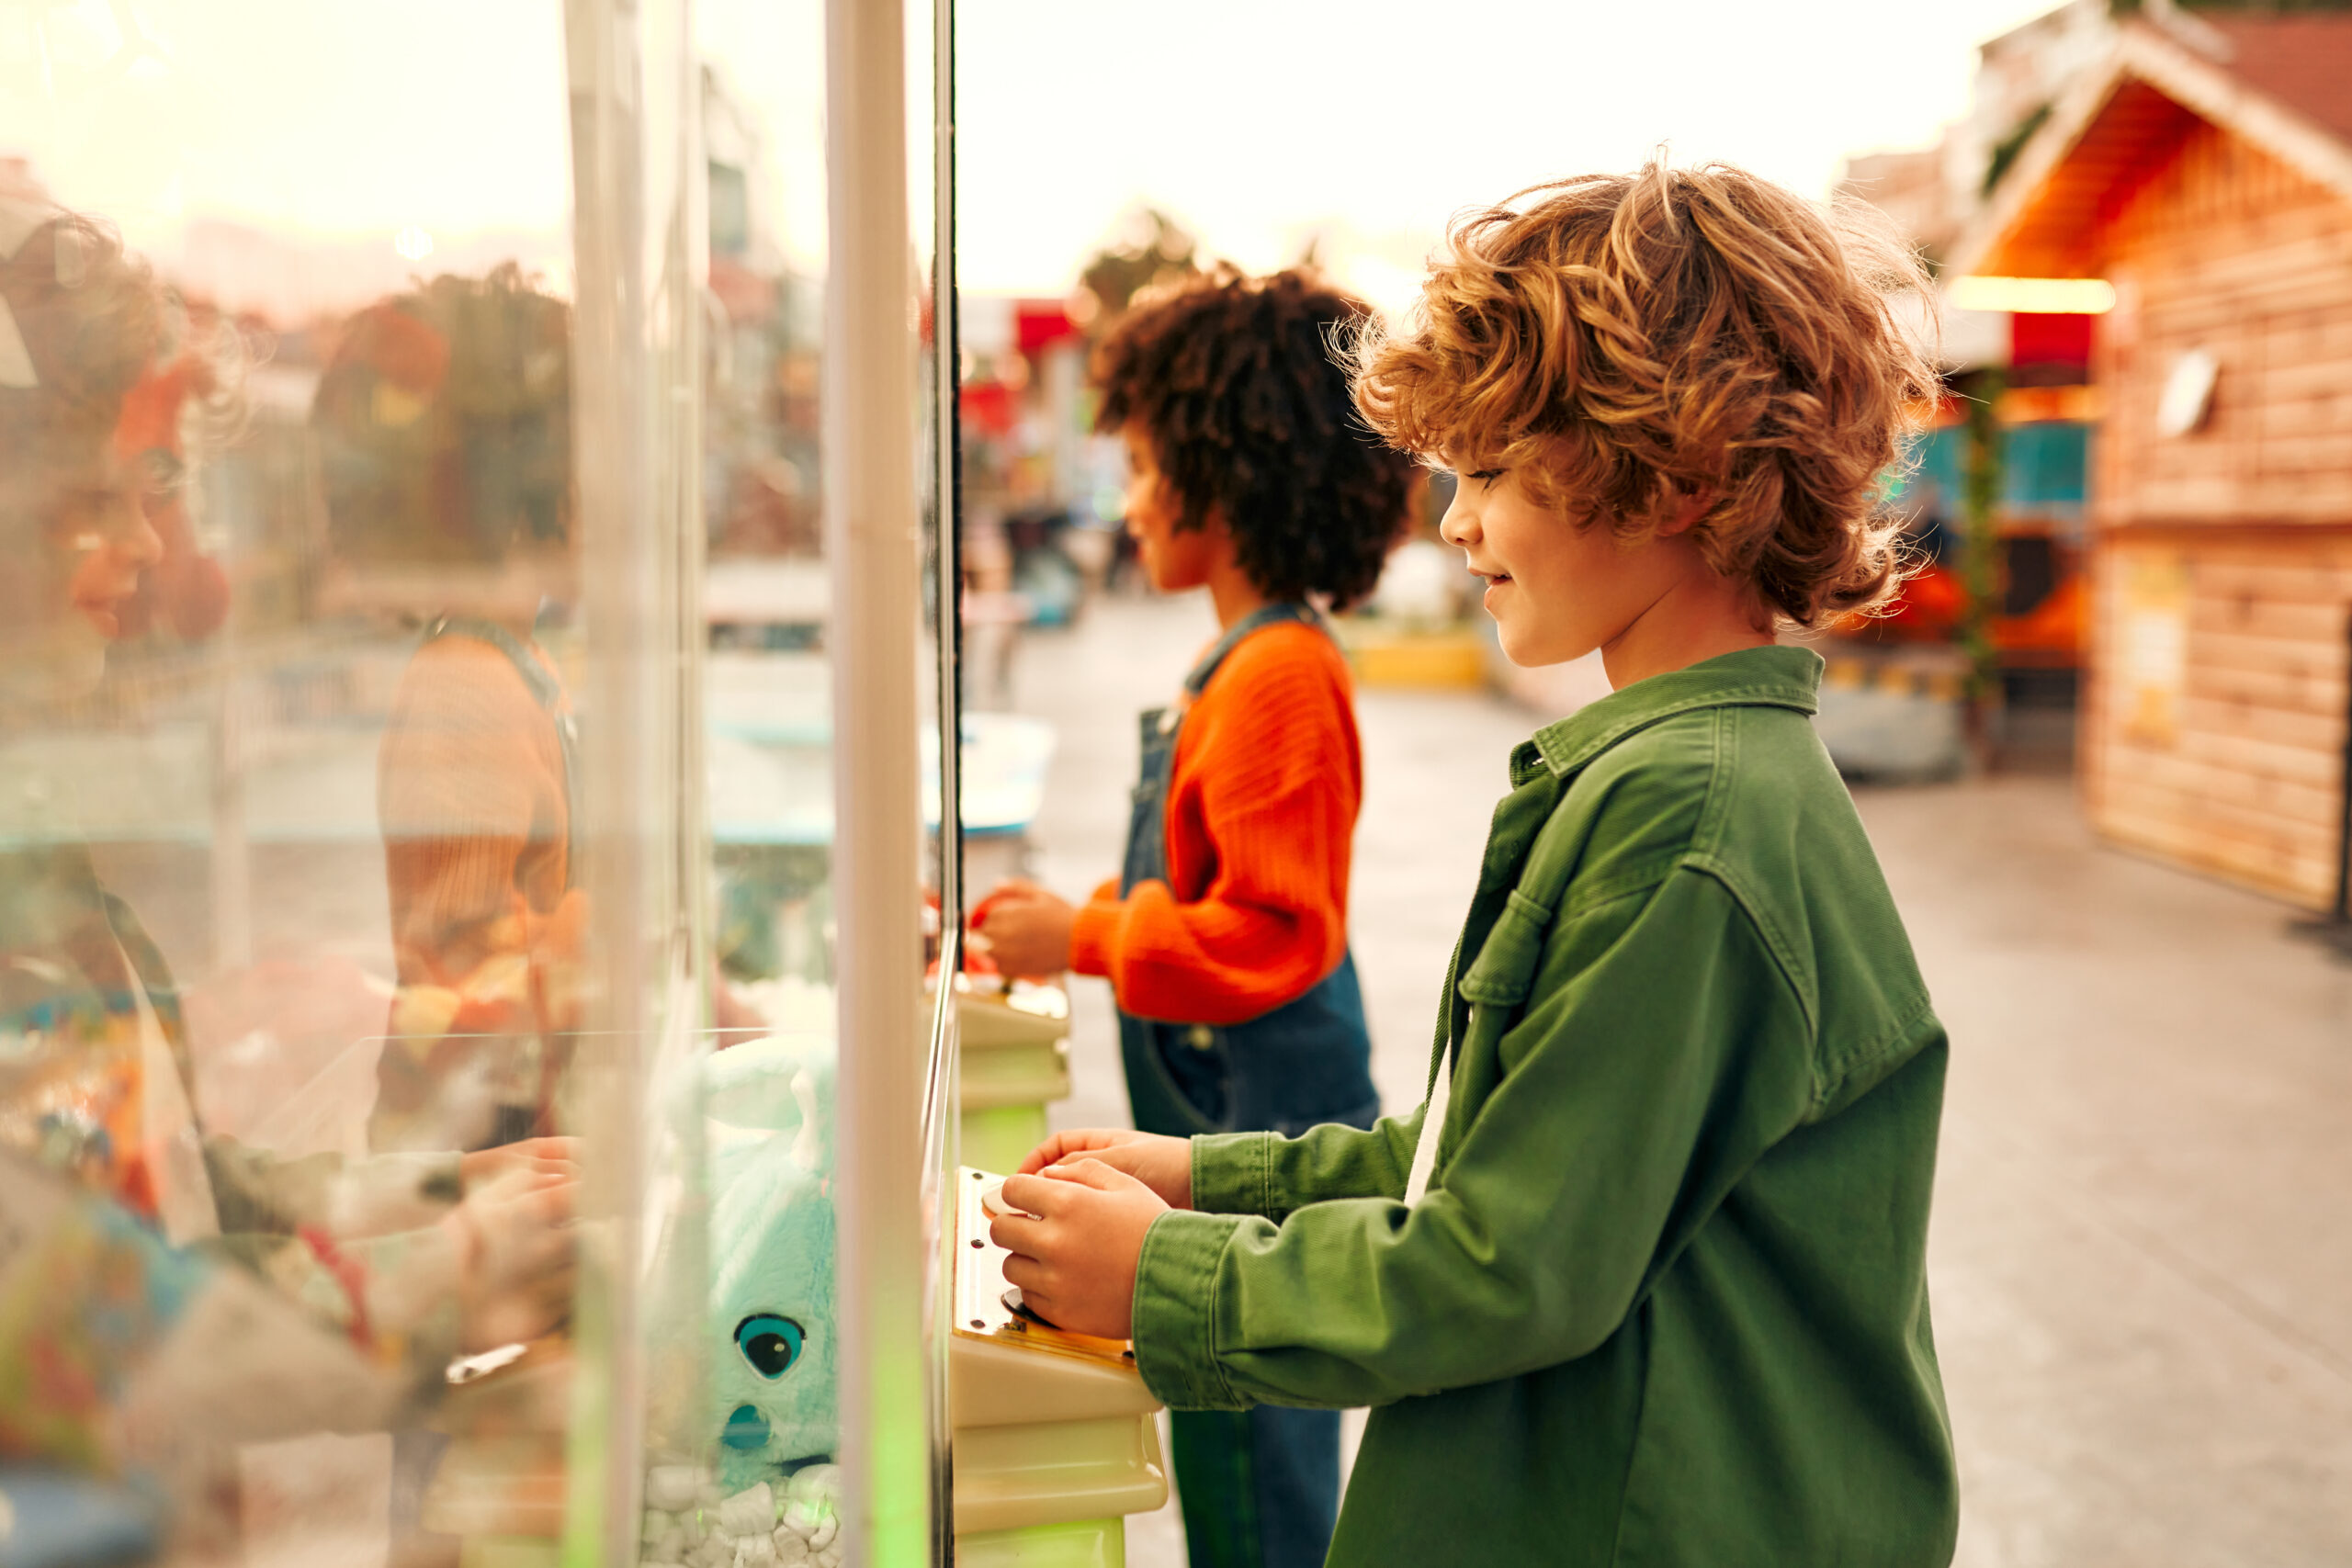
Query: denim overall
{"type": "Point", "coordinates": [1260, 1486]}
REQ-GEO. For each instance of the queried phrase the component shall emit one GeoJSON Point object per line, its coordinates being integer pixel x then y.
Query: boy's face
{"type": "Point", "coordinates": [59, 608]}
{"type": "Point", "coordinates": [1174, 558]}
{"type": "Point", "coordinates": [1558, 591]}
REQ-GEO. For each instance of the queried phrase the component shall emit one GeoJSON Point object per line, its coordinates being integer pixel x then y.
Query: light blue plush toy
{"type": "Point", "coordinates": [772, 1376]}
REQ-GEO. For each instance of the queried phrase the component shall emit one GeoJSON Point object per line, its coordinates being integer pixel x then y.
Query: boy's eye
{"type": "Point", "coordinates": [1486, 476]}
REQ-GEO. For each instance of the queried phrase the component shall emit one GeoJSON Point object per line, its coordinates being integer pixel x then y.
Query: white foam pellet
{"type": "Point", "coordinates": [826, 1528]}
{"type": "Point", "coordinates": [671, 1487]}
{"type": "Point", "coordinates": [755, 1552]}
{"type": "Point", "coordinates": [749, 1512]}
{"type": "Point", "coordinates": [817, 1481]}
{"type": "Point", "coordinates": [791, 1552]}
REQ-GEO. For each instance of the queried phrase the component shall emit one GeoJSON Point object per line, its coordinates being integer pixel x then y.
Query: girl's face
{"type": "Point", "coordinates": [1175, 559]}
{"type": "Point", "coordinates": [91, 541]}
{"type": "Point", "coordinates": [1557, 591]}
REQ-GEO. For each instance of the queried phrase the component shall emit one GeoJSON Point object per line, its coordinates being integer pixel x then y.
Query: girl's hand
{"type": "Point", "coordinates": [517, 1255]}
{"type": "Point", "coordinates": [537, 1162]}
{"type": "Point", "coordinates": [1075, 1262]}
{"type": "Point", "coordinates": [1162, 1163]}
{"type": "Point", "coordinates": [1026, 929]}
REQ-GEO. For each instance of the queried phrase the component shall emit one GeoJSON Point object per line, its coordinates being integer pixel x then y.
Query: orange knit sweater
{"type": "Point", "coordinates": [1261, 811]}
{"type": "Point", "coordinates": [485, 928]}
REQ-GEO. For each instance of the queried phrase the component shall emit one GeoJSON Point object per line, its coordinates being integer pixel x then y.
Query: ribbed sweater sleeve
{"type": "Point", "coordinates": [1262, 811]}
{"type": "Point", "coordinates": [469, 787]}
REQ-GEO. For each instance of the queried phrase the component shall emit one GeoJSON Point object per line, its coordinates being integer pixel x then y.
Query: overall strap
{"type": "Point", "coordinates": [1264, 615]}
{"type": "Point", "coordinates": [534, 676]}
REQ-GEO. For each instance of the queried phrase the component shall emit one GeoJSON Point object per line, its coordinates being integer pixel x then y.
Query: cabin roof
{"type": "Point", "coordinates": [2276, 82]}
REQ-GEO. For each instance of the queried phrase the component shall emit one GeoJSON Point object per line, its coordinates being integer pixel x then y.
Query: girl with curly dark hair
{"type": "Point", "coordinates": [1224, 940]}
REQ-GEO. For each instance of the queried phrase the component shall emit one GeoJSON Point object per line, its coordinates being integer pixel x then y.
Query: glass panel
{"type": "Point", "coordinates": [930, 207]}
{"type": "Point", "coordinates": [745, 1450]}
{"type": "Point", "coordinates": [302, 863]}
{"type": "Point", "coordinates": [418, 834]}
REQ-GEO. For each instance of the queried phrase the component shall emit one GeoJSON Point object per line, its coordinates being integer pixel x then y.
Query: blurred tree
{"type": "Point", "coordinates": [1160, 252]}
{"type": "Point", "coordinates": [1979, 391]}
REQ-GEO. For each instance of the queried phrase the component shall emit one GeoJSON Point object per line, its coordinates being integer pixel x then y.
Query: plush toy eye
{"type": "Point", "coordinates": [770, 1343]}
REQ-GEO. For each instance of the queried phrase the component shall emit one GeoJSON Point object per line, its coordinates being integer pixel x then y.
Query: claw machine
{"type": "Point", "coordinates": [391, 1167]}
{"type": "Point", "coordinates": [431, 1131]}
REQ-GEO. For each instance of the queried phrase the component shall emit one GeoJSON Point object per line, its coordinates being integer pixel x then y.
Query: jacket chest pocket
{"type": "Point", "coordinates": [1498, 981]}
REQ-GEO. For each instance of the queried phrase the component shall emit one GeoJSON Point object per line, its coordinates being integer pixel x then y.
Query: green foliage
{"type": "Point", "coordinates": [1118, 272]}
{"type": "Point", "coordinates": [2005, 153]}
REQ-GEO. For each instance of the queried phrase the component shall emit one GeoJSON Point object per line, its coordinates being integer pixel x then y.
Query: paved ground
{"type": "Point", "coordinates": [2141, 1271]}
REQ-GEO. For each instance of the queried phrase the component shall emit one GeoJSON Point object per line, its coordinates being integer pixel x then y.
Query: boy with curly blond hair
{"type": "Point", "coordinates": [1643, 1280]}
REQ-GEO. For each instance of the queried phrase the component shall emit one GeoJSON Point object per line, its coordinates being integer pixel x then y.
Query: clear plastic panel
{"type": "Point", "coordinates": [299, 867]}
{"type": "Point", "coordinates": [419, 933]}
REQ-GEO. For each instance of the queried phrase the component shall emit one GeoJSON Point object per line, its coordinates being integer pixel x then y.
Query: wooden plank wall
{"type": "Point", "coordinates": [2226, 249]}
{"type": "Point", "coordinates": [2248, 787]}
{"type": "Point", "coordinates": [2229, 250]}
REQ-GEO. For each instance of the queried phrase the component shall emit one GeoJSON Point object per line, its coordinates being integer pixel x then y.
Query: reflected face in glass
{"type": "Point", "coordinates": [1175, 557]}
{"type": "Point", "coordinates": [106, 528]}
{"type": "Point", "coordinates": [62, 607]}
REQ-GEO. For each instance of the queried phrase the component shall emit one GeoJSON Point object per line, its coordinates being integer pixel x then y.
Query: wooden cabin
{"type": "Point", "coordinates": [2205, 171]}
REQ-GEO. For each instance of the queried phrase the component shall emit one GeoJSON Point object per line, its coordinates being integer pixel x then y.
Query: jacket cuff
{"type": "Point", "coordinates": [1092, 933]}
{"type": "Point", "coordinates": [1230, 1174]}
{"type": "Point", "coordinates": [1174, 1319]}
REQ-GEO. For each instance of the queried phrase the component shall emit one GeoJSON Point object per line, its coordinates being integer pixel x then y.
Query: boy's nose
{"type": "Point", "coordinates": [1459, 526]}
{"type": "Point", "coordinates": [129, 535]}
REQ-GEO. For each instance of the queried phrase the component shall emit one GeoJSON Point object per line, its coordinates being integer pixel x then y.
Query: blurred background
{"type": "Point", "coordinates": [2100, 743]}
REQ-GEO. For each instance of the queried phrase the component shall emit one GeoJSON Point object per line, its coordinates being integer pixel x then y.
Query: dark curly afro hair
{"type": "Point", "coordinates": [1235, 382]}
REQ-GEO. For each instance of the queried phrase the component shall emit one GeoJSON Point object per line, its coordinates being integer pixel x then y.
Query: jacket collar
{"type": "Point", "coordinates": [1754, 677]}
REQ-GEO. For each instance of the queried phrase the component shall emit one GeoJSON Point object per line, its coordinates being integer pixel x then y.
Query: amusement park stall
{"type": "Point", "coordinates": [2204, 169]}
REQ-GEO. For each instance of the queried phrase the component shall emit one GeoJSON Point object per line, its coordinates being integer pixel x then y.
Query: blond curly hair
{"type": "Point", "coordinates": [1628, 344]}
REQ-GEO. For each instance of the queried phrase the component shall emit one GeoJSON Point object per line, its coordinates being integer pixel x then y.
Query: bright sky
{"type": "Point", "coordinates": [1257, 121]}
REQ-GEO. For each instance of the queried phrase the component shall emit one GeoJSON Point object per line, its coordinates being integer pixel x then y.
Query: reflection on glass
{"type": "Point", "coordinates": [191, 1271]}
{"type": "Point", "coordinates": [762, 1449]}
{"type": "Point", "coordinates": [443, 424]}
{"type": "Point", "coordinates": [327, 820]}
{"type": "Point", "coordinates": [287, 904]}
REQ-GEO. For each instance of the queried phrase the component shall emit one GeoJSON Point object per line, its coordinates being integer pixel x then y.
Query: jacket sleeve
{"type": "Point", "coordinates": [1269, 1174]}
{"type": "Point", "coordinates": [1660, 1052]}
{"type": "Point", "coordinates": [1280, 811]}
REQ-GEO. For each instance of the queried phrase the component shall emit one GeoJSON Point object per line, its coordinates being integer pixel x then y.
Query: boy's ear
{"type": "Point", "coordinates": [1681, 513]}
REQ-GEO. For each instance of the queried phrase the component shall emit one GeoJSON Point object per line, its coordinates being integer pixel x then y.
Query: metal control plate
{"type": "Point", "coordinates": [982, 1291]}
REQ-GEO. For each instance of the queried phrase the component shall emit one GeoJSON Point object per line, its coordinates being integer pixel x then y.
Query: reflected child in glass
{"type": "Point", "coordinates": [1225, 937]}
{"type": "Point", "coordinates": [1643, 1280]}
{"type": "Point", "coordinates": [398, 1261]}
{"type": "Point", "coordinates": [444, 430]}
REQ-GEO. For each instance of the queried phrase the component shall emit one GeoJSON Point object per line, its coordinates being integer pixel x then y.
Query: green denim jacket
{"type": "Point", "coordinates": [1665, 1302]}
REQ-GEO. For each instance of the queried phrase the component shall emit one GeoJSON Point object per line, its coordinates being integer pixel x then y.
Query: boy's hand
{"type": "Point", "coordinates": [1076, 1262]}
{"type": "Point", "coordinates": [1162, 1163]}
{"type": "Point", "coordinates": [1027, 929]}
